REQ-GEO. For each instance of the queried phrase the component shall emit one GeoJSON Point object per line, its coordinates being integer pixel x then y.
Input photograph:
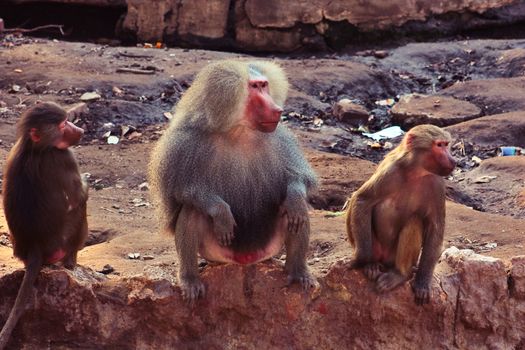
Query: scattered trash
{"type": "Point", "coordinates": [4, 240]}
{"type": "Point", "coordinates": [133, 55]}
{"type": "Point", "coordinates": [334, 214]}
{"type": "Point", "coordinates": [476, 245]}
{"type": "Point", "coordinates": [460, 146]}
{"type": "Point", "coordinates": [135, 71]}
{"type": "Point", "coordinates": [134, 135]}
{"type": "Point", "coordinates": [297, 115]}
{"type": "Point", "coordinates": [117, 91]}
{"type": "Point", "coordinates": [139, 202]}
{"type": "Point", "coordinates": [484, 179]}
{"type": "Point", "coordinates": [144, 186]}
{"type": "Point", "coordinates": [18, 70]}
{"type": "Point", "coordinates": [134, 256]}
{"type": "Point", "coordinates": [90, 96]}
{"type": "Point", "coordinates": [148, 257]}
{"type": "Point", "coordinates": [388, 145]}
{"type": "Point", "coordinates": [380, 54]}
{"type": "Point", "coordinates": [113, 140]}
{"type": "Point", "coordinates": [509, 151]}
{"type": "Point", "coordinates": [15, 88]}
{"type": "Point", "coordinates": [375, 53]}
{"type": "Point", "coordinates": [388, 102]}
{"type": "Point", "coordinates": [388, 133]}
{"type": "Point", "coordinates": [363, 128]}
{"type": "Point", "coordinates": [492, 245]}
{"type": "Point", "coordinates": [107, 269]}
{"type": "Point", "coordinates": [375, 145]}
{"type": "Point", "coordinates": [126, 129]}
{"type": "Point", "coordinates": [168, 115]}
{"type": "Point", "coordinates": [476, 160]}
{"type": "Point", "coordinates": [120, 184]}
{"type": "Point", "coordinates": [318, 122]}
{"type": "Point", "coordinates": [98, 185]}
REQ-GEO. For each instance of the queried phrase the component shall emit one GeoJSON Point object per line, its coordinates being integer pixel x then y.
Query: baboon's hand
{"type": "Point", "coordinates": [223, 223]}
{"type": "Point", "coordinates": [297, 212]}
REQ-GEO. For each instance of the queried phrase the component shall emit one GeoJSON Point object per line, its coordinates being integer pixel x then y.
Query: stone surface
{"type": "Point", "coordinates": [521, 199]}
{"type": "Point", "coordinates": [493, 96]}
{"type": "Point", "coordinates": [203, 18]}
{"type": "Point", "coordinates": [517, 274]}
{"type": "Point", "coordinates": [416, 109]}
{"type": "Point", "coordinates": [507, 129]}
{"type": "Point", "coordinates": [110, 3]}
{"type": "Point", "coordinates": [89, 96]}
{"type": "Point", "coordinates": [107, 306]}
{"type": "Point", "coordinates": [470, 308]}
{"type": "Point", "coordinates": [483, 302]}
{"type": "Point", "coordinates": [286, 26]}
{"type": "Point", "coordinates": [150, 23]}
{"type": "Point", "coordinates": [349, 112]}
{"type": "Point", "coordinates": [504, 182]}
{"type": "Point", "coordinates": [260, 39]}
{"type": "Point", "coordinates": [337, 186]}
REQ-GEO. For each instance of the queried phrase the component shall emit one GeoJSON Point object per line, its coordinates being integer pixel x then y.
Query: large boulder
{"type": "Point", "coordinates": [507, 129]}
{"type": "Point", "coordinates": [280, 25]}
{"type": "Point", "coordinates": [416, 109]}
{"type": "Point", "coordinates": [251, 307]}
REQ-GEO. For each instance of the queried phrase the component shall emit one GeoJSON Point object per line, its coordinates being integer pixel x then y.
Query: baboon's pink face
{"type": "Point", "coordinates": [262, 112]}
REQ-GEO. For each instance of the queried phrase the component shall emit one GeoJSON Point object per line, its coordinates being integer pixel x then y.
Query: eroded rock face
{"type": "Point", "coordinates": [281, 25]}
{"type": "Point", "coordinates": [251, 307]}
{"type": "Point", "coordinates": [517, 274]}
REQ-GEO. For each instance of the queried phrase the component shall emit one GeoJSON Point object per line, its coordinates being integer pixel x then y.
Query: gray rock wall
{"type": "Point", "coordinates": [281, 25]}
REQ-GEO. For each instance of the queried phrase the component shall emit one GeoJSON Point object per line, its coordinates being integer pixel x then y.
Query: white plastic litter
{"type": "Point", "coordinates": [388, 133]}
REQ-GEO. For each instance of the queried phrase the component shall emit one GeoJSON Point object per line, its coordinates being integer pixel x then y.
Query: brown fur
{"type": "Point", "coordinates": [400, 210]}
{"type": "Point", "coordinates": [44, 200]}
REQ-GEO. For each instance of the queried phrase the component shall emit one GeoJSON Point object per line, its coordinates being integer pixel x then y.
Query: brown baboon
{"type": "Point", "coordinates": [400, 212]}
{"type": "Point", "coordinates": [44, 198]}
{"type": "Point", "coordinates": [232, 183]}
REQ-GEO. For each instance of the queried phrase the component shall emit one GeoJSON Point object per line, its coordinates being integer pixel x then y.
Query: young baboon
{"type": "Point", "coordinates": [44, 198]}
{"type": "Point", "coordinates": [232, 183]}
{"type": "Point", "coordinates": [400, 212]}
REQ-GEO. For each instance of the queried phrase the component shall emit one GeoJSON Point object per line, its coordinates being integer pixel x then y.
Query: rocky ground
{"type": "Point", "coordinates": [473, 88]}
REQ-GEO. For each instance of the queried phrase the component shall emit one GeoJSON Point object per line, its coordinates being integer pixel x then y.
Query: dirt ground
{"type": "Point", "coordinates": [121, 214]}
